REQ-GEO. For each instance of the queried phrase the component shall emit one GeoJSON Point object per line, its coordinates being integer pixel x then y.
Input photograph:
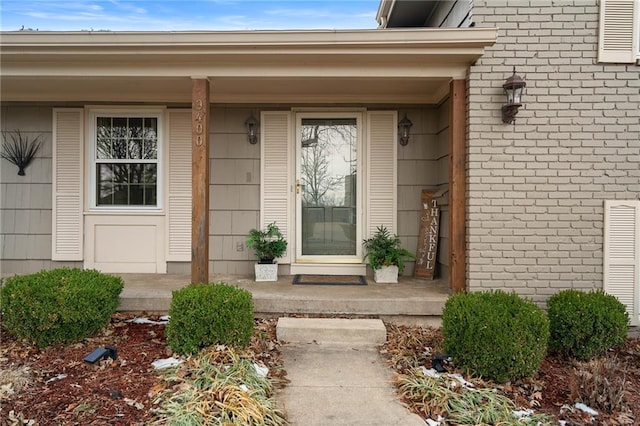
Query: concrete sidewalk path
{"type": "Point", "coordinates": [339, 383]}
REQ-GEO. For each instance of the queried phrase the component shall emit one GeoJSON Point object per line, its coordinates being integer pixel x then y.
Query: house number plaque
{"type": "Point", "coordinates": [198, 122]}
{"type": "Point", "coordinates": [427, 237]}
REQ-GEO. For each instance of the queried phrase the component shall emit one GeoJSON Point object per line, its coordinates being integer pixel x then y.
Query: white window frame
{"type": "Point", "coordinates": [92, 115]}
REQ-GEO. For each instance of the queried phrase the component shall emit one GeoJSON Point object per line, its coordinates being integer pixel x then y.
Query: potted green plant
{"type": "Point", "coordinates": [385, 256]}
{"type": "Point", "coordinates": [268, 245]}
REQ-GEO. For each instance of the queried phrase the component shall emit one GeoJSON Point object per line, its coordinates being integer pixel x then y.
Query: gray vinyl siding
{"type": "Point", "coordinates": [25, 209]}
{"type": "Point", "coordinates": [25, 201]}
{"type": "Point", "coordinates": [235, 183]}
{"type": "Point", "coordinates": [451, 14]}
{"type": "Point", "coordinates": [424, 164]}
{"type": "Point", "coordinates": [234, 190]}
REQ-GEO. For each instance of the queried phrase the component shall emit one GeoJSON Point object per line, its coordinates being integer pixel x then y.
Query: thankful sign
{"type": "Point", "coordinates": [428, 237]}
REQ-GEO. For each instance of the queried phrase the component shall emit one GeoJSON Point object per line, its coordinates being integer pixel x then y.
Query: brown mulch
{"type": "Point", "coordinates": [59, 388]}
{"type": "Point", "coordinates": [548, 392]}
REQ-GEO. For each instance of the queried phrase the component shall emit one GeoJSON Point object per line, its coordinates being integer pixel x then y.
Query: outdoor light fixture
{"type": "Point", "coordinates": [513, 90]}
{"type": "Point", "coordinates": [438, 362]}
{"type": "Point", "coordinates": [101, 353]}
{"type": "Point", "coordinates": [252, 129]}
{"type": "Point", "coordinates": [404, 130]}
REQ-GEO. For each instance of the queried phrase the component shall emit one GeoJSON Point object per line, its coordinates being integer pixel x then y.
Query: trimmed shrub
{"type": "Point", "coordinates": [206, 314]}
{"type": "Point", "coordinates": [60, 305]}
{"type": "Point", "coordinates": [496, 335]}
{"type": "Point", "coordinates": [584, 325]}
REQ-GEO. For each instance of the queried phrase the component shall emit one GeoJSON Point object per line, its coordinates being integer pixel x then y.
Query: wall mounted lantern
{"type": "Point", "coordinates": [513, 87]}
{"type": "Point", "coordinates": [252, 129]}
{"type": "Point", "coordinates": [404, 130]}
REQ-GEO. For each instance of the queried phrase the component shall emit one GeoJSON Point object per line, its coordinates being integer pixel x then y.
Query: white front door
{"type": "Point", "coordinates": [329, 187]}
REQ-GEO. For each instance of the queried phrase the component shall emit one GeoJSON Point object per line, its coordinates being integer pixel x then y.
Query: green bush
{"type": "Point", "coordinates": [205, 314]}
{"type": "Point", "coordinates": [59, 305]}
{"type": "Point", "coordinates": [584, 325]}
{"type": "Point", "coordinates": [496, 335]}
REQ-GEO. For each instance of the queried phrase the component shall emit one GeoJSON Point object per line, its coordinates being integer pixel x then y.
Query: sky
{"type": "Point", "coordinates": [186, 15]}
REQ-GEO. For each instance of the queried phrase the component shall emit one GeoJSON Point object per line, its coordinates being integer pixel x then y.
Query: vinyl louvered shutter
{"type": "Point", "coordinates": [275, 167]}
{"type": "Point", "coordinates": [622, 254]}
{"type": "Point", "coordinates": [179, 186]}
{"type": "Point", "coordinates": [67, 181]}
{"type": "Point", "coordinates": [617, 34]}
{"type": "Point", "coordinates": [382, 164]}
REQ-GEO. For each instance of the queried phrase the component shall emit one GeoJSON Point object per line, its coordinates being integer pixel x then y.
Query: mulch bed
{"type": "Point", "coordinates": [121, 392]}
{"type": "Point", "coordinates": [548, 392]}
{"type": "Point", "coordinates": [62, 389]}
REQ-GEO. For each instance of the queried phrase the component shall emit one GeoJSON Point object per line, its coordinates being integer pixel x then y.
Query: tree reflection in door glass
{"type": "Point", "coordinates": [328, 186]}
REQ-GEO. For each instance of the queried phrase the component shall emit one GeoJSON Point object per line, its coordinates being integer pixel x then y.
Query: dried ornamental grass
{"type": "Point", "coordinates": [14, 379]}
{"type": "Point", "coordinates": [410, 347]}
{"type": "Point", "coordinates": [444, 396]}
{"type": "Point", "coordinates": [218, 386]}
{"type": "Point", "coordinates": [600, 383]}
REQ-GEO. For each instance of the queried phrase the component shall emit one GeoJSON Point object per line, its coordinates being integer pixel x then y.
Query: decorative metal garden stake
{"type": "Point", "coordinates": [18, 149]}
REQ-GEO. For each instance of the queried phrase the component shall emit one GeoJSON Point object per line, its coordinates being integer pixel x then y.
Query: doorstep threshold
{"type": "Point", "coordinates": [328, 269]}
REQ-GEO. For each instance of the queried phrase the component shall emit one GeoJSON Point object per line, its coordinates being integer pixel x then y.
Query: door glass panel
{"type": "Point", "coordinates": [328, 186]}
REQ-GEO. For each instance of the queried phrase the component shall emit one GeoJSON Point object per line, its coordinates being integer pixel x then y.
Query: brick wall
{"type": "Point", "coordinates": [536, 189]}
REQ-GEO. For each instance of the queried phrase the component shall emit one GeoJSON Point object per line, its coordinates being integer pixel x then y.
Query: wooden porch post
{"type": "Point", "coordinates": [200, 180]}
{"type": "Point", "coordinates": [457, 186]}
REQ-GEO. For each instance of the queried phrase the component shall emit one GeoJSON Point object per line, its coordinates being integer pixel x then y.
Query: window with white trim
{"type": "Point", "coordinates": [125, 159]}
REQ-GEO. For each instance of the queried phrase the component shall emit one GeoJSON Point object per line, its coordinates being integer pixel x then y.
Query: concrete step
{"type": "Point", "coordinates": [331, 331]}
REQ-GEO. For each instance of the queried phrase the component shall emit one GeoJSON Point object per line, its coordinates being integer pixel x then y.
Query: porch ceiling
{"type": "Point", "coordinates": [364, 66]}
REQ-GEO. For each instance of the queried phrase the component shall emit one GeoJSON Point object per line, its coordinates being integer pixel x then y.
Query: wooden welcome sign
{"type": "Point", "coordinates": [427, 237]}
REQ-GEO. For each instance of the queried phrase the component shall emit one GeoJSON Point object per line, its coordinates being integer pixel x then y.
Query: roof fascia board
{"type": "Point", "coordinates": [410, 52]}
{"type": "Point", "coordinates": [247, 42]}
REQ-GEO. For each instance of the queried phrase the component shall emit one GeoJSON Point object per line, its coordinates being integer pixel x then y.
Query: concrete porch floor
{"type": "Point", "coordinates": [411, 301]}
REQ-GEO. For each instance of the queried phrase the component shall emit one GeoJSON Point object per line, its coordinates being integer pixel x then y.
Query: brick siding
{"type": "Point", "coordinates": [536, 188]}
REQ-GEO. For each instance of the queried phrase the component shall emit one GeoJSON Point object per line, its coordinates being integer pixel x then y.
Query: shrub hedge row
{"type": "Point", "coordinates": [494, 334]}
{"type": "Point", "coordinates": [500, 336]}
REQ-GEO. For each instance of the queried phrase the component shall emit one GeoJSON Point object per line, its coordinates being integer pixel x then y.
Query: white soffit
{"type": "Point", "coordinates": [395, 65]}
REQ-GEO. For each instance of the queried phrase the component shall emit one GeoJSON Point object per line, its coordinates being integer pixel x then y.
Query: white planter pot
{"type": "Point", "coordinates": [266, 271]}
{"type": "Point", "coordinates": [386, 274]}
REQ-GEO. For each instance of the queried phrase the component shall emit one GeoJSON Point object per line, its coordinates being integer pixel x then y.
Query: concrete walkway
{"type": "Point", "coordinates": [337, 382]}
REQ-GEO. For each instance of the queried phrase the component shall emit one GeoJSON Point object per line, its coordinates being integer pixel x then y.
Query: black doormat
{"type": "Point", "coordinates": [329, 280]}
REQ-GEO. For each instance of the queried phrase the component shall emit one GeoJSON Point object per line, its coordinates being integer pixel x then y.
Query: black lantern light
{"type": "Point", "coordinates": [404, 130]}
{"type": "Point", "coordinates": [252, 129]}
{"type": "Point", "coordinates": [513, 87]}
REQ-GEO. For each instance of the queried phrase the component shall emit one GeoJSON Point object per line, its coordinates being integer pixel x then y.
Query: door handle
{"type": "Point", "coordinates": [298, 186]}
